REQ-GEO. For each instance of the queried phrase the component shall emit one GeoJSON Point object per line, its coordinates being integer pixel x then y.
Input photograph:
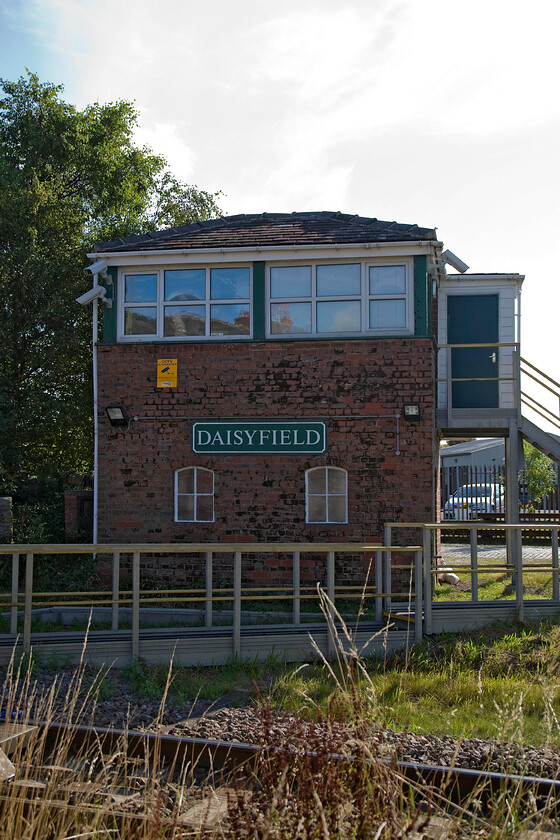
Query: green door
{"type": "Point", "coordinates": [473, 319]}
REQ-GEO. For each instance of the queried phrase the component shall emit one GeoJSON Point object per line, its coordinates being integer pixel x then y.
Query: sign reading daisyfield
{"type": "Point", "coordinates": [262, 437]}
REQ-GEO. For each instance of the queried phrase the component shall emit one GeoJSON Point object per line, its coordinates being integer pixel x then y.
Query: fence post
{"type": "Point", "coordinates": [379, 587]}
{"type": "Point", "coordinates": [427, 560]}
{"type": "Point", "coordinates": [136, 605]}
{"type": "Point", "coordinates": [15, 594]}
{"type": "Point", "coordinates": [296, 573]}
{"type": "Point", "coordinates": [474, 565]}
{"type": "Point", "coordinates": [418, 595]}
{"type": "Point", "coordinates": [237, 604]}
{"type": "Point", "coordinates": [330, 606]}
{"type": "Point", "coordinates": [555, 581]}
{"type": "Point", "coordinates": [208, 589]}
{"type": "Point", "coordinates": [115, 596]}
{"type": "Point", "coordinates": [387, 538]}
{"type": "Point", "coordinates": [28, 603]}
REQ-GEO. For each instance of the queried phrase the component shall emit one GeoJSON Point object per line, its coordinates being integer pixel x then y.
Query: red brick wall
{"type": "Point", "coordinates": [355, 386]}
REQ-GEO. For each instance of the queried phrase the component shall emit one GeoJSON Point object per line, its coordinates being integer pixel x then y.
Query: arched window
{"type": "Point", "coordinates": [326, 495]}
{"type": "Point", "coordinates": [194, 495]}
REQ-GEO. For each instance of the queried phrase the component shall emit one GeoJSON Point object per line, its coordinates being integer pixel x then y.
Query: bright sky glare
{"type": "Point", "coordinates": [436, 112]}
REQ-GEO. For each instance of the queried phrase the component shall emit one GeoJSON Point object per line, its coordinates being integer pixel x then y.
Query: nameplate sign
{"type": "Point", "coordinates": [262, 437]}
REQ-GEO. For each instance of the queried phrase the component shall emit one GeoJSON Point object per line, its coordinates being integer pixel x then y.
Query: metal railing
{"type": "Point", "coordinates": [514, 565]}
{"type": "Point", "coordinates": [527, 371]}
{"type": "Point", "coordinates": [236, 595]}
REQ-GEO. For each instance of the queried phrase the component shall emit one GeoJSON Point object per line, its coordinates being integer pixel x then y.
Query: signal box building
{"type": "Point", "coordinates": [276, 378]}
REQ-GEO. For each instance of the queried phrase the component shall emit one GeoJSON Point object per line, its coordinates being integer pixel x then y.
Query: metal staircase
{"type": "Point", "coordinates": [545, 442]}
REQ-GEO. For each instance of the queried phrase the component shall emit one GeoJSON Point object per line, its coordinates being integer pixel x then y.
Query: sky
{"type": "Point", "coordinates": [436, 112]}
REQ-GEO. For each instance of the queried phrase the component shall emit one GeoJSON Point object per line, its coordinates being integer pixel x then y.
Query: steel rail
{"type": "Point", "coordinates": [225, 755]}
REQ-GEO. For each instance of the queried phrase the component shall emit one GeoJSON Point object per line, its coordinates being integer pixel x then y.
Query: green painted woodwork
{"type": "Point", "coordinates": [109, 317]}
{"type": "Point", "coordinates": [259, 313]}
{"type": "Point", "coordinates": [473, 319]}
{"type": "Point", "coordinates": [422, 298]}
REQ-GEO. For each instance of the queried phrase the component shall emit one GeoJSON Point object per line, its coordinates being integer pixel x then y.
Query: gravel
{"type": "Point", "coordinates": [234, 718]}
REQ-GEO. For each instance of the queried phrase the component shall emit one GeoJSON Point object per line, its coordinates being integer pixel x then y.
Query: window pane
{"type": "Point", "coordinates": [333, 280]}
{"type": "Point", "coordinates": [140, 320]}
{"type": "Point", "coordinates": [185, 284]}
{"type": "Point", "coordinates": [337, 480]}
{"type": "Point", "coordinates": [229, 319]}
{"type": "Point", "coordinates": [140, 288]}
{"type": "Point", "coordinates": [184, 320]}
{"type": "Point", "coordinates": [337, 508]}
{"type": "Point", "coordinates": [290, 281]}
{"type": "Point", "coordinates": [204, 481]}
{"type": "Point", "coordinates": [339, 316]}
{"type": "Point", "coordinates": [185, 481]}
{"type": "Point", "coordinates": [316, 480]}
{"type": "Point", "coordinates": [387, 314]}
{"type": "Point", "coordinates": [205, 508]}
{"type": "Point", "coordinates": [185, 508]}
{"type": "Point", "coordinates": [387, 280]}
{"type": "Point", "coordinates": [290, 318]}
{"type": "Point", "coordinates": [316, 509]}
{"type": "Point", "coordinates": [229, 283]}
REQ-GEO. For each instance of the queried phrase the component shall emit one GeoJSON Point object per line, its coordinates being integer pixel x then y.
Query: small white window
{"type": "Point", "coordinates": [194, 495]}
{"type": "Point", "coordinates": [326, 495]}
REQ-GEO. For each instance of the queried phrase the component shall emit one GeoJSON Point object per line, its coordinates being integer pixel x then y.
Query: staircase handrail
{"type": "Point", "coordinates": [532, 403]}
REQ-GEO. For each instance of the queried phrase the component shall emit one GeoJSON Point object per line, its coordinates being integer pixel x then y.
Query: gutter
{"type": "Point", "coordinates": [257, 249]}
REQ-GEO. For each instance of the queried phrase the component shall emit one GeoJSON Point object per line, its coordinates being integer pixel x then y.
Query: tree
{"type": "Point", "coordinates": [539, 476]}
{"type": "Point", "coordinates": [69, 178]}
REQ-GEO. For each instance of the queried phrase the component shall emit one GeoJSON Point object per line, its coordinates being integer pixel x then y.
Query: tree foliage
{"type": "Point", "coordinates": [539, 475]}
{"type": "Point", "coordinates": [69, 178]}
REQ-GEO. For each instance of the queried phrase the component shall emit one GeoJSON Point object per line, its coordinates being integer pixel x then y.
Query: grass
{"type": "Point", "coordinates": [502, 682]}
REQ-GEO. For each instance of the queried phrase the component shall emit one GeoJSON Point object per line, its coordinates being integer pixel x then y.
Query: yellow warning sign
{"type": "Point", "coordinates": [167, 373]}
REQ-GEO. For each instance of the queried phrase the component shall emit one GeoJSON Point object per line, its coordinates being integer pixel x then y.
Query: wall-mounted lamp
{"type": "Point", "coordinates": [117, 415]}
{"type": "Point", "coordinates": [411, 411]}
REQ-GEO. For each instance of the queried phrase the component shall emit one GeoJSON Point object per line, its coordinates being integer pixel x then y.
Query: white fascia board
{"type": "Point", "coordinates": [268, 254]}
{"type": "Point", "coordinates": [484, 278]}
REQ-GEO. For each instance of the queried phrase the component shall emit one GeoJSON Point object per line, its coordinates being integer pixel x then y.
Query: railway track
{"type": "Point", "coordinates": [83, 778]}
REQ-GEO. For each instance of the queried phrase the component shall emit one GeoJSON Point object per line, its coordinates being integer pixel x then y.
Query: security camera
{"type": "Point", "coordinates": [96, 268]}
{"type": "Point", "coordinates": [454, 261]}
{"type": "Point", "coordinates": [97, 292]}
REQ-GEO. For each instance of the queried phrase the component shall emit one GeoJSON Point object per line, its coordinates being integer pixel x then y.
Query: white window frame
{"type": "Point", "coordinates": [160, 304]}
{"type": "Point", "coordinates": [327, 495]}
{"type": "Point", "coordinates": [196, 495]}
{"type": "Point", "coordinates": [364, 297]}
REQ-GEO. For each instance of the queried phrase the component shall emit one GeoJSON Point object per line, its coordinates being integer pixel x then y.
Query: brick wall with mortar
{"type": "Point", "coordinates": [355, 386]}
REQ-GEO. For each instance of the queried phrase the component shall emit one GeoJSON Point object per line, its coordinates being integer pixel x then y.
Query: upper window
{"type": "Point", "coordinates": [340, 299]}
{"type": "Point", "coordinates": [326, 495]}
{"type": "Point", "coordinates": [194, 495]}
{"type": "Point", "coordinates": [187, 303]}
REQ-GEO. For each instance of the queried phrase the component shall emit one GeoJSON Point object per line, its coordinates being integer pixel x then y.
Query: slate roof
{"type": "Point", "coordinates": [272, 229]}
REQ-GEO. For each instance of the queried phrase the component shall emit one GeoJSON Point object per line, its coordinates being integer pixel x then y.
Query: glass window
{"type": "Point", "coordinates": [140, 320]}
{"type": "Point", "coordinates": [336, 280]}
{"type": "Point", "coordinates": [185, 284]}
{"type": "Point", "coordinates": [339, 316]}
{"type": "Point", "coordinates": [339, 299]}
{"type": "Point", "coordinates": [194, 495]}
{"type": "Point", "coordinates": [229, 283]}
{"type": "Point", "coordinates": [387, 280]}
{"type": "Point", "coordinates": [184, 320]}
{"type": "Point", "coordinates": [290, 318]}
{"type": "Point", "coordinates": [140, 288]}
{"type": "Point", "coordinates": [387, 314]}
{"type": "Point", "coordinates": [186, 303]}
{"type": "Point", "coordinates": [229, 319]}
{"type": "Point", "coordinates": [326, 491]}
{"type": "Point", "coordinates": [290, 281]}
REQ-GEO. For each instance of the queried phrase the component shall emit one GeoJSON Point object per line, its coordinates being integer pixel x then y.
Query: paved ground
{"type": "Point", "coordinates": [461, 551]}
